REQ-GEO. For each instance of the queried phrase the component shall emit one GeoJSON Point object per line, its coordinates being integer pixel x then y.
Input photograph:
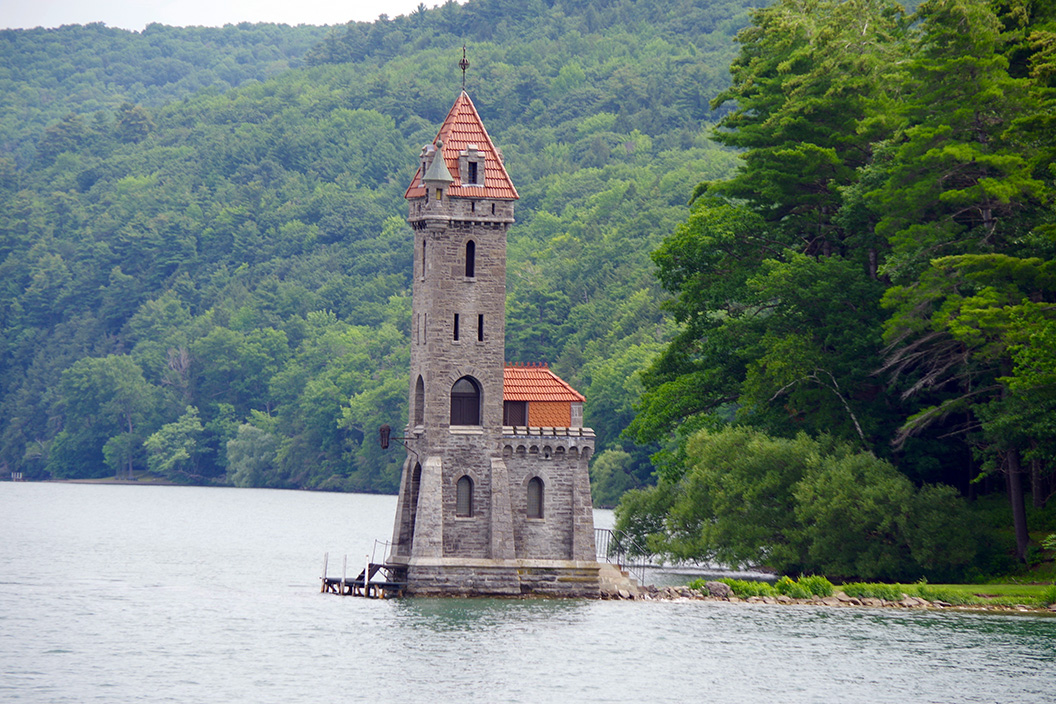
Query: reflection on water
{"type": "Point", "coordinates": [476, 615]}
{"type": "Point", "coordinates": [172, 594]}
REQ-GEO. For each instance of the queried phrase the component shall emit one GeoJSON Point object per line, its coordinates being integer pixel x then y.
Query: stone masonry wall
{"type": "Point", "coordinates": [559, 457]}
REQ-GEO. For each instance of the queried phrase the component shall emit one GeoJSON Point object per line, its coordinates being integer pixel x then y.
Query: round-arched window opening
{"type": "Point", "coordinates": [465, 402]}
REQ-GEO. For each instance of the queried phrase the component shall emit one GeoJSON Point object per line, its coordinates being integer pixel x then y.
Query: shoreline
{"type": "Point", "coordinates": [839, 600]}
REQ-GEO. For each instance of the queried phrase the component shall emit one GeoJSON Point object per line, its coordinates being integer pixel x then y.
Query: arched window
{"type": "Point", "coordinates": [535, 498]}
{"type": "Point", "coordinates": [464, 497]}
{"type": "Point", "coordinates": [471, 258]}
{"type": "Point", "coordinates": [465, 402]}
{"type": "Point", "coordinates": [419, 402]}
{"type": "Point", "coordinates": [416, 483]}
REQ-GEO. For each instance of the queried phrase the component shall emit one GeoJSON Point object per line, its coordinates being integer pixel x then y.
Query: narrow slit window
{"type": "Point", "coordinates": [456, 326]}
{"type": "Point", "coordinates": [471, 259]}
{"type": "Point", "coordinates": [423, 258]}
{"type": "Point", "coordinates": [480, 328]}
{"type": "Point", "coordinates": [419, 401]}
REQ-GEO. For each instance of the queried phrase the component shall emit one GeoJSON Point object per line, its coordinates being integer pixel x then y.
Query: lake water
{"type": "Point", "coordinates": [181, 594]}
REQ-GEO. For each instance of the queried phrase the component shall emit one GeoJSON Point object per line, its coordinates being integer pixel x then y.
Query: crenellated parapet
{"type": "Point", "coordinates": [547, 443]}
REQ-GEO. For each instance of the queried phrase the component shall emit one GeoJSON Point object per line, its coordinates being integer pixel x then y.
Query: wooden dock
{"type": "Point", "coordinates": [373, 582]}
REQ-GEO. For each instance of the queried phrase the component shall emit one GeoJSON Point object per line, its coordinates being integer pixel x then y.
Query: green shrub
{"type": "Point", "coordinates": [1049, 596]}
{"type": "Point", "coordinates": [745, 589]}
{"type": "Point", "coordinates": [864, 590]}
{"type": "Point", "coordinates": [816, 585]}
{"type": "Point", "coordinates": [950, 596]}
{"type": "Point", "coordinates": [789, 587]}
{"type": "Point", "coordinates": [700, 585]}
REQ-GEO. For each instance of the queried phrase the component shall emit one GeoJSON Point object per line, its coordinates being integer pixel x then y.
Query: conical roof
{"type": "Point", "coordinates": [461, 128]}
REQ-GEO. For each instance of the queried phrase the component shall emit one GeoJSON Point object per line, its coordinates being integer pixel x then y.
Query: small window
{"type": "Point", "coordinates": [439, 195]}
{"type": "Point", "coordinates": [423, 259]}
{"type": "Point", "coordinates": [471, 258]}
{"type": "Point", "coordinates": [480, 328]}
{"type": "Point", "coordinates": [473, 172]}
{"type": "Point", "coordinates": [515, 413]}
{"type": "Point", "coordinates": [456, 326]}
{"type": "Point", "coordinates": [465, 402]}
{"type": "Point", "coordinates": [419, 402]}
{"type": "Point", "coordinates": [464, 497]}
{"type": "Point", "coordinates": [535, 498]}
{"type": "Point", "coordinates": [492, 208]}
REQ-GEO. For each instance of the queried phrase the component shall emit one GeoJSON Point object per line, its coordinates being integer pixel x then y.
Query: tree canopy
{"type": "Point", "coordinates": [877, 270]}
{"type": "Point", "coordinates": [234, 230]}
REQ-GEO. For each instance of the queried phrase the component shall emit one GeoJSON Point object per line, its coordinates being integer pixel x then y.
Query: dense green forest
{"type": "Point", "coordinates": [800, 259]}
{"type": "Point", "coordinates": [867, 308]}
{"type": "Point", "coordinates": [91, 71]}
{"type": "Point", "coordinates": [211, 283]}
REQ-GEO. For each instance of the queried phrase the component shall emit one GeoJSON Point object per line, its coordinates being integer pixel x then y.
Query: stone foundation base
{"type": "Point", "coordinates": [468, 577]}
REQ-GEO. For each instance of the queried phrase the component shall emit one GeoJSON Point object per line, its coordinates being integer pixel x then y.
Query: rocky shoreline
{"type": "Point", "coordinates": [717, 591]}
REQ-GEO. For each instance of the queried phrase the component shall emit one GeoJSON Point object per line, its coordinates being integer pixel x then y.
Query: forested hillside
{"type": "Point", "coordinates": [50, 74]}
{"type": "Point", "coordinates": [871, 298]}
{"type": "Point", "coordinates": [213, 284]}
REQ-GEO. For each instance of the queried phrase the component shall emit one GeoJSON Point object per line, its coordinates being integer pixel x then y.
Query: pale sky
{"type": "Point", "coordinates": [136, 14]}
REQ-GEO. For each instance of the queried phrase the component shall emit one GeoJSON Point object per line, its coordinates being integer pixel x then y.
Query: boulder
{"type": "Point", "coordinates": [843, 597]}
{"type": "Point", "coordinates": [718, 589]}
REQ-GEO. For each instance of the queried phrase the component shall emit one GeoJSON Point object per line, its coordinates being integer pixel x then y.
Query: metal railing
{"type": "Point", "coordinates": [618, 548]}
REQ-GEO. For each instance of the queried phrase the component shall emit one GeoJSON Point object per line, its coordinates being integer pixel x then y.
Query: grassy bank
{"type": "Point", "coordinates": [1036, 595]}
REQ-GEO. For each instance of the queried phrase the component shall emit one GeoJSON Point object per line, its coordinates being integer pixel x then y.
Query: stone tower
{"type": "Point", "coordinates": [461, 518]}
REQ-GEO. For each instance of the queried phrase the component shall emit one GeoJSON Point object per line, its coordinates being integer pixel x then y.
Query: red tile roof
{"type": "Point", "coordinates": [462, 128]}
{"type": "Point", "coordinates": [536, 383]}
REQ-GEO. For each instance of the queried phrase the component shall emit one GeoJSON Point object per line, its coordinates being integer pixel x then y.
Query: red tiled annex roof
{"type": "Point", "coordinates": [462, 128]}
{"type": "Point", "coordinates": [536, 383]}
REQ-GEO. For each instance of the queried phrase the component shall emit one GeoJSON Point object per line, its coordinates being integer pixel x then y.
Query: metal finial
{"type": "Point", "coordinates": [463, 64]}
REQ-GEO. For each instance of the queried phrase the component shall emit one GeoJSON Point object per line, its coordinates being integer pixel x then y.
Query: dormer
{"type": "Point", "coordinates": [426, 157]}
{"type": "Point", "coordinates": [471, 167]}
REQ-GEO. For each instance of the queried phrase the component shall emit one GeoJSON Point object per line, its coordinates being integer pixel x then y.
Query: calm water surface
{"type": "Point", "coordinates": [174, 594]}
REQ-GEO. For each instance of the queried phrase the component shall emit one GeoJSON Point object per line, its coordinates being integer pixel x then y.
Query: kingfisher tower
{"type": "Point", "coordinates": [491, 501]}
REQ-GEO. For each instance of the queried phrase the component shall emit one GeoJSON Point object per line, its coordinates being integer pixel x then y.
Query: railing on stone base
{"type": "Point", "coordinates": [618, 548]}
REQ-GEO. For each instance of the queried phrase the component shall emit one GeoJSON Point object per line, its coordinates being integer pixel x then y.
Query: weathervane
{"type": "Point", "coordinates": [463, 64]}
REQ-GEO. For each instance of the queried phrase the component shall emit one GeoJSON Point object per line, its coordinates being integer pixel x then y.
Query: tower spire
{"type": "Point", "coordinates": [463, 64]}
